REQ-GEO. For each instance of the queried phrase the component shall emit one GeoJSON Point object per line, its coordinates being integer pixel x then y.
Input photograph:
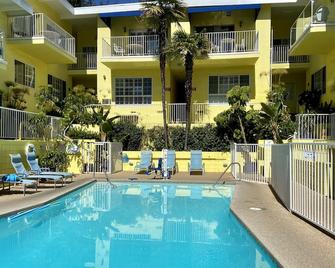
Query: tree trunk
{"type": "Point", "coordinates": [188, 94]}
{"type": "Point", "coordinates": [162, 63]}
{"type": "Point", "coordinates": [242, 129]}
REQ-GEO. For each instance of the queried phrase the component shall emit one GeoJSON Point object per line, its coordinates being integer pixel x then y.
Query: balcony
{"type": "Point", "coordinates": [122, 50]}
{"type": "Point", "coordinates": [315, 126]}
{"type": "Point", "coordinates": [238, 46]}
{"type": "Point", "coordinates": [86, 64]}
{"type": "Point", "coordinates": [39, 36]}
{"type": "Point", "coordinates": [200, 113]}
{"type": "Point", "coordinates": [282, 59]}
{"type": "Point", "coordinates": [313, 31]}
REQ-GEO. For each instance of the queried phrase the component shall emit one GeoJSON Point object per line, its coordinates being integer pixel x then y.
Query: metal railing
{"type": "Point", "coordinates": [315, 12]}
{"type": "Point", "coordinates": [176, 113]}
{"type": "Point", "coordinates": [40, 25]}
{"type": "Point", "coordinates": [85, 61]}
{"type": "Point", "coordinates": [233, 42]}
{"type": "Point", "coordinates": [124, 46]}
{"type": "Point", "coordinates": [2, 48]}
{"type": "Point", "coordinates": [312, 183]}
{"type": "Point", "coordinates": [315, 126]}
{"type": "Point", "coordinates": [16, 124]}
{"type": "Point", "coordinates": [280, 54]}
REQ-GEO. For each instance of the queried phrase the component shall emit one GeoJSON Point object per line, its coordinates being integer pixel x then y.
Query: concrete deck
{"type": "Point", "coordinates": [291, 241]}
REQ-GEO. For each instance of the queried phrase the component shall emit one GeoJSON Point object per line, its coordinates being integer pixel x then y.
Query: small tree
{"type": "Point", "coordinates": [48, 102]}
{"type": "Point", "coordinates": [188, 47]}
{"type": "Point", "coordinates": [15, 96]}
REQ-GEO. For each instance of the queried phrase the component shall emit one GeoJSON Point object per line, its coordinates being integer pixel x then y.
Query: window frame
{"type": "Point", "coordinates": [228, 76]}
{"type": "Point", "coordinates": [28, 74]}
{"type": "Point", "coordinates": [115, 95]}
{"type": "Point", "coordinates": [61, 92]}
{"type": "Point", "coordinates": [322, 75]}
{"type": "Point", "coordinates": [2, 45]}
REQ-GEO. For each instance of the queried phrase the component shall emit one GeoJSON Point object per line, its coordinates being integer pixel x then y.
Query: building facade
{"type": "Point", "coordinates": [105, 45]}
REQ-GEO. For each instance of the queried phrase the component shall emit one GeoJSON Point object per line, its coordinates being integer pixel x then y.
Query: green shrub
{"type": "Point", "coordinates": [54, 158]}
{"type": "Point", "coordinates": [79, 133]}
{"type": "Point", "coordinates": [155, 138]}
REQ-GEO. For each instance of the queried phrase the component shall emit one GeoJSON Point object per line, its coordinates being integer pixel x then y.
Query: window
{"type": "Point", "coordinates": [220, 85]}
{"type": "Point", "coordinates": [24, 74]}
{"type": "Point", "coordinates": [319, 80]}
{"type": "Point", "coordinates": [1, 46]}
{"type": "Point", "coordinates": [133, 90]}
{"type": "Point", "coordinates": [58, 85]}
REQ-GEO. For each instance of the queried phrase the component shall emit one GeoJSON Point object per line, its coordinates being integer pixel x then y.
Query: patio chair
{"type": "Point", "coordinates": [196, 164]}
{"type": "Point", "coordinates": [22, 173]}
{"type": "Point", "coordinates": [119, 51]}
{"type": "Point", "coordinates": [171, 161]}
{"type": "Point", "coordinates": [321, 15]}
{"type": "Point", "coordinates": [36, 169]}
{"type": "Point", "coordinates": [13, 179]}
{"type": "Point", "coordinates": [145, 163]}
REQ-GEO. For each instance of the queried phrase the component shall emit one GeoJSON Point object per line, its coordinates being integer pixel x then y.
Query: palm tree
{"type": "Point", "coordinates": [160, 14]}
{"type": "Point", "coordinates": [272, 113]}
{"type": "Point", "coordinates": [188, 47]}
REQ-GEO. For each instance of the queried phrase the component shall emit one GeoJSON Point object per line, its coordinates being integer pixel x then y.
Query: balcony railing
{"type": "Point", "coordinates": [315, 126]}
{"type": "Point", "coordinates": [233, 42]}
{"type": "Point", "coordinates": [176, 113]}
{"type": "Point", "coordinates": [2, 52]}
{"type": "Point", "coordinates": [15, 124]}
{"type": "Point", "coordinates": [85, 61]}
{"type": "Point", "coordinates": [141, 45]}
{"type": "Point", "coordinates": [314, 13]}
{"type": "Point", "coordinates": [280, 54]}
{"type": "Point", "coordinates": [39, 25]}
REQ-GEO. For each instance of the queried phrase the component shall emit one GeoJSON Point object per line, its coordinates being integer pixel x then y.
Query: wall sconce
{"type": "Point", "coordinates": [241, 24]}
{"type": "Point", "coordinates": [104, 77]}
{"type": "Point", "coordinates": [228, 13]}
{"type": "Point", "coordinates": [124, 29]}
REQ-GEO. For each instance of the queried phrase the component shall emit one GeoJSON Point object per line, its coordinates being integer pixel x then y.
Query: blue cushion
{"type": "Point", "coordinates": [10, 178]}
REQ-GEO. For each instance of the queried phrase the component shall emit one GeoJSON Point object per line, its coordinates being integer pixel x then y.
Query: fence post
{"type": "Point", "coordinates": [290, 172]}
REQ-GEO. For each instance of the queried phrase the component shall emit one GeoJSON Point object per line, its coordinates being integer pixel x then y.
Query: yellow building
{"type": "Point", "coordinates": [109, 48]}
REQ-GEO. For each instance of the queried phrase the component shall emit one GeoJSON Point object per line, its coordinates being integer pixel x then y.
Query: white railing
{"type": "Point", "coordinates": [120, 46]}
{"type": "Point", "coordinates": [85, 61]}
{"type": "Point", "coordinates": [254, 160]}
{"type": "Point", "coordinates": [315, 126]}
{"type": "Point", "coordinates": [15, 124]}
{"type": "Point", "coordinates": [176, 113]}
{"type": "Point", "coordinates": [312, 183]}
{"type": "Point", "coordinates": [39, 25]}
{"type": "Point", "coordinates": [233, 42]}
{"type": "Point", "coordinates": [280, 54]}
{"type": "Point", "coordinates": [315, 12]}
{"type": "Point", "coordinates": [2, 48]}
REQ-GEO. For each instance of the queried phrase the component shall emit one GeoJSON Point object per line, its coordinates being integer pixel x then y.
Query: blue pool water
{"type": "Point", "coordinates": [133, 225]}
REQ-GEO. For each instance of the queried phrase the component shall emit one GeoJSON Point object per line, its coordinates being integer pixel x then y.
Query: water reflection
{"type": "Point", "coordinates": [139, 223]}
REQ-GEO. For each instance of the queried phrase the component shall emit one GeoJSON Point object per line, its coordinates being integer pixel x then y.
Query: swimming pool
{"type": "Point", "coordinates": [133, 225]}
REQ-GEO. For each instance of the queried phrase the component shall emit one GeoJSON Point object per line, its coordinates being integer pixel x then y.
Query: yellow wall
{"type": "Point", "coordinates": [214, 161]}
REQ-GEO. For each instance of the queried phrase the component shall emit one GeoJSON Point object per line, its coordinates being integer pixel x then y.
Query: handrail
{"type": "Point", "coordinates": [224, 172]}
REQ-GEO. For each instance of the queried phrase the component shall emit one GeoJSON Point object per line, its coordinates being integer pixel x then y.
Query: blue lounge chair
{"type": "Point", "coordinates": [171, 161]}
{"type": "Point", "coordinates": [13, 179]}
{"type": "Point", "coordinates": [196, 164]}
{"type": "Point", "coordinates": [145, 163]}
{"type": "Point", "coordinates": [36, 169]}
{"type": "Point", "coordinates": [22, 173]}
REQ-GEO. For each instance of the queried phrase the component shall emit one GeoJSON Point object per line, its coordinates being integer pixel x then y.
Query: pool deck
{"type": "Point", "coordinates": [291, 241]}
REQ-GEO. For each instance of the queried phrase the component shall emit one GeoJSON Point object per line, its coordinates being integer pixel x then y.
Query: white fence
{"type": "Point", "coordinates": [15, 124]}
{"type": "Point", "coordinates": [40, 25]}
{"type": "Point", "coordinates": [233, 41]}
{"type": "Point", "coordinates": [312, 183]}
{"type": "Point", "coordinates": [140, 45]}
{"type": "Point", "coordinates": [315, 126]}
{"type": "Point", "coordinates": [102, 157]}
{"type": "Point", "coordinates": [280, 54]}
{"type": "Point", "coordinates": [254, 160]}
{"type": "Point", "coordinates": [85, 61]}
{"type": "Point", "coordinates": [176, 113]}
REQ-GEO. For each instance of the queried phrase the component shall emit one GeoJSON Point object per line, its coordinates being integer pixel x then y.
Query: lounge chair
{"type": "Point", "coordinates": [36, 169]}
{"type": "Point", "coordinates": [22, 173]}
{"type": "Point", "coordinates": [145, 163]}
{"type": "Point", "coordinates": [321, 15]}
{"type": "Point", "coordinates": [196, 164]}
{"type": "Point", "coordinates": [13, 179]}
{"type": "Point", "coordinates": [171, 161]}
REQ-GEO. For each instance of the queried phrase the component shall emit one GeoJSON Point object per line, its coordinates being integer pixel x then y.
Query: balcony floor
{"type": "Point", "coordinates": [229, 59]}
{"type": "Point", "coordinates": [318, 39]}
{"type": "Point", "coordinates": [42, 49]}
{"type": "Point", "coordinates": [126, 62]}
{"type": "Point", "coordinates": [282, 66]}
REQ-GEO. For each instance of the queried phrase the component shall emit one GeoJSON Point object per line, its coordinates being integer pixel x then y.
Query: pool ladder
{"type": "Point", "coordinates": [225, 171]}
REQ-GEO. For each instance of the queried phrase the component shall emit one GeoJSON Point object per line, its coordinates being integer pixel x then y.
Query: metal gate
{"type": "Point", "coordinates": [102, 157]}
{"type": "Point", "coordinates": [255, 162]}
